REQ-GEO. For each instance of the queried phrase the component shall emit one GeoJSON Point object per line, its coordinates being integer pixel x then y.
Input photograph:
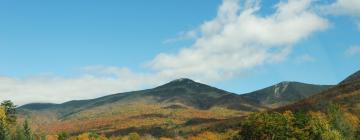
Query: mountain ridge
{"type": "Point", "coordinates": [285, 92]}
{"type": "Point", "coordinates": [180, 91]}
{"type": "Point", "coordinates": [181, 82]}
{"type": "Point", "coordinates": [346, 94]}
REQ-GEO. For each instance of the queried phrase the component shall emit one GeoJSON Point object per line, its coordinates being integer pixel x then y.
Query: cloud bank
{"type": "Point", "coordinates": [236, 40]}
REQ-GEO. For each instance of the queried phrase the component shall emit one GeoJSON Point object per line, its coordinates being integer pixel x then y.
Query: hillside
{"type": "Point", "coordinates": [352, 78]}
{"type": "Point", "coordinates": [346, 94]}
{"type": "Point", "coordinates": [284, 93]}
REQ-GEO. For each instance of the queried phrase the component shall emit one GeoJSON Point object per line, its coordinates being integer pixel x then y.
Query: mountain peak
{"type": "Point", "coordinates": [180, 82]}
{"type": "Point", "coordinates": [183, 80]}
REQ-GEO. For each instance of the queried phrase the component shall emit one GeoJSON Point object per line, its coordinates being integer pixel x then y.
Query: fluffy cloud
{"type": "Point", "coordinates": [239, 39]}
{"type": "Point", "coordinates": [353, 50]}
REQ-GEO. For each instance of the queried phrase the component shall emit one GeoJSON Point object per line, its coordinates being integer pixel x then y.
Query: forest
{"type": "Point", "coordinates": [331, 124]}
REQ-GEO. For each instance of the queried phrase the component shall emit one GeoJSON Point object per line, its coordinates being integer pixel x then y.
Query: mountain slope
{"type": "Point", "coordinates": [284, 93]}
{"type": "Point", "coordinates": [346, 94]}
{"type": "Point", "coordinates": [352, 78]}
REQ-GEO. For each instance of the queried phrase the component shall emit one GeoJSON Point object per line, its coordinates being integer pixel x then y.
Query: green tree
{"type": "Point", "coordinates": [10, 111]}
{"type": "Point", "coordinates": [320, 128]}
{"type": "Point", "coordinates": [19, 134]}
{"type": "Point", "coordinates": [27, 131]}
{"type": "Point", "coordinates": [268, 126]}
{"type": "Point", "coordinates": [339, 122]}
{"type": "Point", "coordinates": [301, 126]}
{"type": "Point", "coordinates": [63, 136]}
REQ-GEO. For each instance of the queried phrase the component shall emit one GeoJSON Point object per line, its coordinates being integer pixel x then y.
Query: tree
{"type": "Point", "coordinates": [19, 134]}
{"type": "Point", "coordinates": [10, 111]}
{"type": "Point", "coordinates": [4, 132]}
{"type": "Point", "coordinates": [320, 128]}
{"type": "Point", "coordinates": [339, 121]}
{"type": "Point", "coordinates": [63, 136]}
{"type": "Point", "coordinates": [27, 131]}
{"type": "Point", "coordinates": [268, 126]}
{"type": "Point", "coordinates": [134, 136]}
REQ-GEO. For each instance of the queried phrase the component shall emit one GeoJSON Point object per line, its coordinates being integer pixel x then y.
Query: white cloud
{"type": "Point", "coordinates": [95, 81]}
{"type": "Point", "coordinates": [305, 58]}
{"type": "Point", "coordinates": [237, 39]}
{"type": "Point", "coordinates": [344, 7]}
{"type": "Point", "coordinates": [353, 50]}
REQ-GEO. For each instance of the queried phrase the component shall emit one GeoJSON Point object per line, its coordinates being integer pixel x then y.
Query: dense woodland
{"type": "Point", "coordinates": [331, 124]}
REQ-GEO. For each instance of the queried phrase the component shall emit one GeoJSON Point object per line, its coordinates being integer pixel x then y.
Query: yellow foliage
{"type": "Point", "coordinates": [134, 136]}
{"type": "Point", "coordinates": [352, 119]}
{"type": "Point", "coordinates": [289, 115]}
{"type": "Point", "coordinates": [3, 117]}
{"type": "Point", "coordinates": [84, 136]}
{"type": "Point", "coordinates": [51, 137]}
{"type": "Point", "coordinates": [319, 121]}
{"type": "Point", "coordinates": [207, 136]}
{"type": "Point", "coordinates": [2, 114]}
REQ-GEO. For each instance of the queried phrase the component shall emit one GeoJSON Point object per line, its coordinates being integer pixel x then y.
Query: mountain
{"type": "Point", "coordinates": [284, 93]}
{"type": "Point", "coordinates": [346, 94]}
{"type": "Point", "coordinates": [183, 101]}
{"type": "Point", "coordinates": [184, 92]}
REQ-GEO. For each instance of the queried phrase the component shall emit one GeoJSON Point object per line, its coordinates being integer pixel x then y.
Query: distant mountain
{"type": "Point", "coordinates": [284, 93]}
{"type": "Point", "coordinates": [346, 94]}
{"type": "Point", "coordinates": [183, 92]}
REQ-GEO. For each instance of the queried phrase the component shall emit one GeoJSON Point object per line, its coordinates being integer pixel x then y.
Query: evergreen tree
{"type": "Point", "coordinates": [19, 134]}
{"type": "Point", "coordinates": [338, 120]}
{"type": "Point", "coordinates": [27, 131]}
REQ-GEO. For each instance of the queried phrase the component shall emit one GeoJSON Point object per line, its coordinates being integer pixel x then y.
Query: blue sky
{"type": "Point", "coordinates": [68, 46]}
